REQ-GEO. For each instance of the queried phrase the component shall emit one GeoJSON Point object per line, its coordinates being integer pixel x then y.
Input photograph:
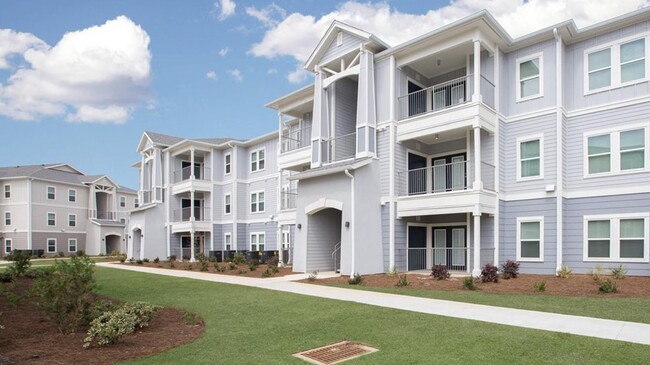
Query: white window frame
{"type": "Point", "coordinates": [524, 139]}
{"type": "Point", "coordinates": [257, 202]}
{"type": "Point", "coordinates": [7, 217]}
{"type": "Point", "coordinates": [225, 243]}
{"type": "Point", "coordinates": [70, 221]}
{"type": "Point", "coordinates": [257, 160]}
{"type": "Point", "coordinates": [47, 245]}
{"type": "Point", "coordinates": [123, 220]}
{"type": "Point", "coordinates": [47, 192]}
{"type": "Point", "coordinates": [615, 63]}
{"type": "Point", "coordinates": [615, 150]}
{"type": "Point", "coordinates": [73, 195]}
{"type": "Point", "coordinates": [229, 205]}
{"type": "Point", "coordinates": [6, 191]}
{"type": "Point", "coordinates": [614, 239]}
{"type": "Point", "coordinates": [227, 164]}
{"type": "Point", "coordinates": [287, 234]}
{"type": "Point", "coordinates": [8, 244]}
{"type": "Point", "coordinates": [70, 240]}
{"type": "Point", "coordinates": [47, 219]}
{"type": "Point", "coordinates": [257, 235]}
{"type": "Point", "coordinates": [518, 80]}
{"type": "Point", "coordinates": [540, 220]}
{"type": "Point", "coordinates": [122, 202]}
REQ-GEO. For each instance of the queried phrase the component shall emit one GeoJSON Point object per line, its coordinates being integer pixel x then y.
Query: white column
{"type": "Point", "coordinates": [478, 183]}
{"type": "Point", "coordinates": [92, 206]}
{"type": "Point", "coordinates": [280, 133]}
{"type": "Point", "coordinates": [279, 240]}
{"type": "Point", "coordinates": [477, 71]}
{"type": "Point", "coordinates": [113, 210]}
{"type": "Point", "coordinates": [192, 217]}
{"type": "Point", "coordinates": [192, 259]}
{"type": "Point", "coordinates": [476, 272]}
{"type": "Point", "coordinates": [192, 177]}
{"type": "Point", "coordinates": [141, 194]}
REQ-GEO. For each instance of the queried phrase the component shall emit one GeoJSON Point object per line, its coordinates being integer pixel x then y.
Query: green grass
{"type": "Point", "coordinates": [48, 262]}
{"type": "Point", "coordinates": [254, 326]}
{"type": "Point", "coordinates": [622, 309]}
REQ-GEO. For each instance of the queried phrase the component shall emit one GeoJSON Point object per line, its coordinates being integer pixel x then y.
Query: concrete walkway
{"type": "Point", "coordinates": [576, 325]}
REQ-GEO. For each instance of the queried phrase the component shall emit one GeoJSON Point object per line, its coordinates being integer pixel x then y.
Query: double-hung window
{"type": "Point", "coordinates": [72, 195]}
{"type": "Point", "coordinates": [51, 245]}
{"type": "Point", "coordinates": [622, 237]}
{"type": "Point", "coordinates": [257, 241]}
{"type": "Point", "coordinates": [227, 163]}
{"type": "Point", "coordinates": [7, 189]}
{"type": "Point", "coordinates": [72, 220]}
{"type": "Point", "coordinates": [632, 61]}
{"type": "Point", "coordinates": [227, 241]}
{"type": "Point", "coordinates": [530, 162]}
{"type": "Point", "coordinates": [616, 151]}
{"type": "Point", "coordinates": [122, 202]}
{"type": "Point", "coordinates": [51, 219]}
{"type": "Point", "coordinates": [615, 65]}
{"type": "Point", "coordinates": [51, 193]}
{"type": "Point", "coordinates": [530, 239]}
{"type": "Point", "coordinates": [226, 204]}
{"type": "Point", "coordinates": [529, 77]}
{"type": "Point", "coordinates": [257, 160]}
{"type": "Point", "coordinates": [257, 202]}
{"type": "Point", "coordinates": [72, 245]}
{"type": "Point", "coordinates": [8, 247]}
{"type": "Point", "coordinates": [7, 218]}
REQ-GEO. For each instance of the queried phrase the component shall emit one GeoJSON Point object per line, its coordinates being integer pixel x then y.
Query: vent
{"type": "Point", "coordinates": [335, 353]}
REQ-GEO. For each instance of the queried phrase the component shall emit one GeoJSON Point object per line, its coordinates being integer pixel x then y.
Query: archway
{"type": "Point", "coordinates": [136, 242]}
{"type": "Point", "coordinates": [113, 243]}
{"type": "Point", "coordinates": [324, 240]}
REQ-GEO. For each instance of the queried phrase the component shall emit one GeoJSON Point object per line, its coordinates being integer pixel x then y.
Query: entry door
{"type": "Point", "coordinates": [186, 246]}
{"type": "Point", "coordinates": [457, 172]}
{"type": "Point", "coordinates": [439, 175]}
{"type": "Point", "coordinates": [458, 255]}
{"type": "Point", "coordinates": [449, 247]}
{"type": "Point", "coordinates": [449, 173]}
{"type": "Point", "coordinates": [440, 246]}
{"type": "Point", "coordinates": [186, 208]}
{"type": "Point", "coordinates": [417, 248]}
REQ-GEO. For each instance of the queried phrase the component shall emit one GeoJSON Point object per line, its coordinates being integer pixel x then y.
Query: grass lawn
{"type": "Point", "coordinates": [255, 326]}
{"type": "Point", "coordinates": [48, 262]}
{"type": "Point", "coordinates": [622, 309]}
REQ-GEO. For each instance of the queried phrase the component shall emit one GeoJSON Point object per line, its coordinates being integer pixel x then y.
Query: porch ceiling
{"type": "Point", "coordinates": [449, 135]}
{"type": "Point", "coordinates": [450, 60]}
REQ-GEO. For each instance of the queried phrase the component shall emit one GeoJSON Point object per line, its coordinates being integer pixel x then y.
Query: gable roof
{"type": "Point", "coordinates": [53, 172]}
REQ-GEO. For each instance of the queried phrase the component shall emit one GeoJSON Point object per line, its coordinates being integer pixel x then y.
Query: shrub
{"type": "Point", "coordinates": [564, 272]}
{"type": "Point", "coordinates": [213, 259]}
{"type": "Point", "coordinates": [239, 258]}
{"type": "Point", "coordinates": [356, 279]}
{"type": "Point", "coordinates": [392, 271]}
{"type": "Point", "coordinates": [80, 253]}
{"type": "Point", "coordinates": [232, 266]}
{"type": "Point", "coordinates": [131, 260]}
{"type": "Point", "coordinates": [21, 262]}
{"type": "Point", "coordinates": [219, 268]}
{"type": "Point", "coordinates": [60, 254]}
{"type": "Point", "coordinates": [140, 262]}
{"type": "Point", "coordinates": [510, 269]}
{"type": "Point", "coordinates": [145, 260]}
{"type": "Point", "coordinates": [122, 258]}
{"type": "Point", "coordinates": [115, 253]}
{"type": "Point", "coordinates": [618, 272]}
{"type": "Point", "coordinates": [403, 281]}
{"type": "Point", "coordinates": [241, 271]}
{"type": "Point", "coordinates": [267, 273]}
{"type": "Point", "coordinates": [38, 272]}
{"type": "Point", "coordinates": [65, 295]}
{"type": "Point", "coordinates": [274, 269]}
{"type": "Point", "coordinates": [252, 266]}
{"type": "Point", "coordinates": [596, 273]}
{"type": "Point", "coordinates": [109, 327]}
{"type": "Point", "coordinates": [200, 257]}
{"type": "Point", "coordinates": [273, 261]}
{"type": "Point", "coordinates": [189, 267]}
{"type": "Point", "coordinates": [539, 287]}
{"type": "Point", "coordinates": [203, 266]}
{"type": "Point", "coordinates": [171, 264]}
{"type": "Point", "coordinates": [6, 277]}
{"type": "Point", "coordinates": [607, 286]}
{"type": "Point", "coordinates": [489, 274]}
{"type": "Point", "coordinates": [313, 276]}
{"type": "Point", "coordinates": [190, 319]}
{"type": "Point", "coordinates": [156, 260]}
{"type": "Point", "coordinates": [440, 272]}
{"type": "Point", "coordinates": [171, 258]}
{"type": "Point", "coordinates": [468, 283]}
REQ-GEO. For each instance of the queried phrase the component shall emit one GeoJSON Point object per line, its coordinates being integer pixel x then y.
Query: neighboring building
{"type": "Point", "coordinates": [58, 209]}
{"type": "Point", "coordinates": [460, 147]}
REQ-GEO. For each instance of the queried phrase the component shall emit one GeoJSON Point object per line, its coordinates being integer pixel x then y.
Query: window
{"type": "Point", "coordinates": [123, 202]}
{"type": "Point", "coordinates": [72, 220]}
{"type": "Point", "coordinates": [72, 245]}
{"type": "Point", "coordinates": [257, 241]}
{"type": "Point", "coordinates": [122, 220]}
{"type": "Point", "coordinates": [227, 241]}
{"type": "Point", "coordinates": [257, 160]}
{"type": "Point", "coordinates": [529, 77]}
{"type": "Point", "coordinates": [226, 204]}
{"type": "Point", "coordinates": [530, 239]}
{"type": "Point", "coordinates": [51, 219]}
{"type": "Point", "coordinates": [51, 193]}
{"type": "Point", "coordinates": [285, 240]}
{"type": "Point", "coordinates": [530, 163]}
{"type": "Point", "coordinates": [257, 202]}
{"type": "Point", "coordinates": [227, 163]}
{"type": "Point", "coordinates": [51, 245]}
{"type": "Point", "coordinates": [8, 247]}
{"type": "Point", "coordinates": [616, 65]}
{"type": "Point", "coordinates": [72, 195]}
{"type": "Point", "coordinates": [621, 237]}
{"type": "Point", "coordinates": [7, 192]}
{"type": "Point", "coordinates": [136, 202]}
{"type": "Point", "coordinates": [616, 151]}
{"type": "Point", "coordinates": [7, 218]}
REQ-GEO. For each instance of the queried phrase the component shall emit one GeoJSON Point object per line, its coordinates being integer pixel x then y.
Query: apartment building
{"type": "Point", "coordinates": [56, 208]}
{"type": "Point", "coordinates": [460, 147]}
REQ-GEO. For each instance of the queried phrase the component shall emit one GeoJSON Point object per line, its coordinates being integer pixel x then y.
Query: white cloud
{"type": "Point", "coordinates": [297, 34]}
{"type": "Point", "coordinates": [224, 9]}
{"type": "Point", "coordinates": [211, 75]}
{"type": "Point", "coordinates": [298, 75]}
{"type": "Point", "coordinates": [224, 51]}
{"type": "Point", "coordinates": [95, 74]}
{"type": "Point", "coordinates": [236, 74]}
{"type": "Point", "coordinates": [269, 16]}
{"type": "Point", "coordinates": [16, 43]}
{"type": "Point", "coordinates": [272, 71]}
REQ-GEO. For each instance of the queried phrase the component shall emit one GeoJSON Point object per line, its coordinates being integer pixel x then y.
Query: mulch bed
{"type": "Point", "coordinates": [29, 338]}
{"type": "Point", "coordinates": [238, 270]}
{"type": "Point", "coordinates": [574, 286]}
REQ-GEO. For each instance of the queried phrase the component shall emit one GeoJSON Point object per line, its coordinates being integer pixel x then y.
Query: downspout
{"type": "Point", "coordinates": [353, 248]}
{"type": "Point", "coordinates": [29, 213]}
{"type": "Point", "coordinates": [559, 190]}
{"type": "Point", "coordinates": [391, 170]}
{"type": "Point", "coordinates": [233, 196]}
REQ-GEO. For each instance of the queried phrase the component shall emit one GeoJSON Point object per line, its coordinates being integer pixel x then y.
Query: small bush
{"type": "Point", "coordinates": [80, 253]}
{"type": "Point", "coordinates": [6, 277]}
{"type": "Point", "coordinates": [20, 262]}
{"type": "Point", "coordinates": [274, 269]}
{"type": "Point", "coordinates": [122, 258]}
{"type": "Point", "coordinates": [213, 259]}
{"type": "Point", "coordinates": [39, 272]}
{"type": "Point", "coordinates": [489, 274]}
{"type": "Point", "coordinates": [273, 261]}
{"type": "Point", "coordinates": [241, 271]}
{"type": "Point", "coordinates": [131, 260]}
{"type": "Point", "coordinates": [392, 271]}
{"type": "Point", "coordinates": [200, 257]}
{"type": "Point", "coordinates": [440, 272]}
{"type": "Point", "coordinates": [607, 286]}
{"type": "Point", "coordinates": [219, 268]}
{"type": "Point", "coordinates": [356, 279]}
{"type": "Point", "coordinates": [145, 260]}
{"type": "Point", "coordinates": [468, 283]}
{"type": "Point", "coordinates": [539, 287]}
{"type": "Point", "coordinates": [313, 276]}
{"type": "Point", "coordinates": [618, 272]}
{"type": "Point", "coordinates": [596, 273]}
{"type": "Point", "coordinates": [564, 272]}
{"type": "Point", "coordinates": [171, 264]}
{"type": "Point", "coordinates": [156, 260]}
{"type": "Point", "coordinates": [189, 267]}
{"type": "Point", "coordinates": [115, 253]}
{"type": "Point", "coordinates": [60, 254]}
{"type": "Point", "coordinates": [139, 262]}
{"type": "Point", "coordinates": [109, 327]}
{"type": "Point", "coordinates": [203, 266]}
{"type": "Point", "coordinates": [510, 269]}
{"type": "Point", "coordinates": [239, 258]}
{"type": "Point", "coordinates": [232, 266]}
{"type": "Point", "coordinates": [190, 319]}
{"type": "Point", "coordinates": [267, 273]}
{"type": "Point", "coordinates": [252, 266]}
{"type": "Point", "coordinates": [171, 258]}
{"type": "Point", "coordinates": [403, 281]}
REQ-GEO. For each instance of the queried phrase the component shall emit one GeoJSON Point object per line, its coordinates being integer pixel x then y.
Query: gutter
{"type": "Point", "coordinates": [559, 191]}
{"type": "Point", "coordinates": [353, 248]}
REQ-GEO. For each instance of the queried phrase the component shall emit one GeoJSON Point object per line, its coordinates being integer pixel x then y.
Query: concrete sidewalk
{"type": "Point", "coordinates": [576, 325]}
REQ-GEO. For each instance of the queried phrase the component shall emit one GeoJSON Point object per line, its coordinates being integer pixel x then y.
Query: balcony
{"type": "Point", "coordinates": [340, 148]}
{"type": "Point", "coordinates": [184, 221]}
{"type": "Point", "coordinates": [184, 181]}
{"type": "Point", "coordinates": [287, 213]}
{"type": "Point", "coordinates": [446, 106]}
{"type": "Point", "coordinates": [445, 189]}
{"type": "Point", "coordinates": [294, 148]}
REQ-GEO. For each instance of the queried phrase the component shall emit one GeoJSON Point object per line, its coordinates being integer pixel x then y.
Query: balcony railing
{"type": "Point", "coordinates": [200, 173]}
{"type": "Point", "coordinates": [442, 178]}
{"type": "Point", "coordinates": [444, 95]}
{"type": "Point", "coordinates": [146, 197]}
{"type": "Point", "coordinates": [288, 199]}
{"type": "Point", "coordinates": [201, 214]}
{"type": "Point", "coordinates": [295, 139]}
{"type": "Point", "coordinates": [340, 148]}
{"type": "Point", "coordinates": [107, 215]}
{"type": "Point", "coordinates": [454, 258]}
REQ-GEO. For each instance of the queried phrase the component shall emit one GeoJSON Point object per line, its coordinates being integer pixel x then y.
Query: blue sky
{"type": "Point", "coordinates": [190, 68]}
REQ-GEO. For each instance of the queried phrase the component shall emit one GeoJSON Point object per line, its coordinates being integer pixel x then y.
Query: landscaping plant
{"type": "Point", "coordinates": [607, 286]}
{"type": "Point", "coordinates": [190, 318]}
{"type": "Point", "coordinates": [232, 266]}
{"type": "Point", "coordinates": [20, 262]}
{"type": "Point", "coordinates": [618, 272]}
{"type": "Point", "coordinates": [564, 272]}
{"type": "Point", "coordinates": [140, 262]}
{"type": "Point", "coordinates": [510, 269]}
{"type": "Point", "coordinates": [440, 272]}
{"type": "Point", "coordinates": [145, 260]}
{"type": "Point", "coordinates": [468, 283]}
{"type": "Point", "coordinates": [239, 258]}
{"type": "Point", "coordinates": [156, 260]}
{"type": "Point", "coordinates": [596, 273]}
{"type": "Point", "coordinates": [313, 276]}
{"type": "Point", "coordinates": [489, 274]}
{"type": "Point", "coordinates": [203, 266]}
{"type": "Point", "coordinates": [356, 279]}
{"type": "Point", "coordinates": [392, 271]}
{"type": "Point", "coordinates": [540, 287]}
{"type": "Point", "coordinates": [403, 281]}
{"type": "Point", "coordinates": [109, 327]}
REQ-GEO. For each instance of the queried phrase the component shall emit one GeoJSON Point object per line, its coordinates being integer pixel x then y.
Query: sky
{"type": "Point", "coordinates": [81, 80]}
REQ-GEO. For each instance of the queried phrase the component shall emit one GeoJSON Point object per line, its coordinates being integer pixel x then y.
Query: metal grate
{"type": "Point", "coordinates": [335, 353]}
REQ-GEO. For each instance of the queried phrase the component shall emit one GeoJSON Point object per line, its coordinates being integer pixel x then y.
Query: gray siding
{"type": "Point", "coordinates": [350, 43]}
{"type": "Point", "coordinates": [242, 237]}
{"type": "Point", "coordinates": [270, 234]}
{"type": "Point", "coordinates": [345, 116]}
{"type": "Point", "coordinates": [383, 153]}
{"type": "Point", "coordinates": [324, 234]}
{"type": "Point", "coordinates": [39, 241]}
{"type": "Point", "coordinates": [382, 90]}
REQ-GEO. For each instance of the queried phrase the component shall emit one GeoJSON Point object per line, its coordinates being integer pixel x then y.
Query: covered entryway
{"type": "Point", "coordinates": [113, 243]}
{"type": "Point", "coordinates": [186, 246]}
{"type": "Point", "coordinates": [430, 245]}
{"type": "Point", "coordinates": [324, 240]}
{"type": "Point", "coordinates": [137, 242]}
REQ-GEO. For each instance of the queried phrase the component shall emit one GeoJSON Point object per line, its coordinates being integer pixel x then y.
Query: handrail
{"type": "Point", "coordinates": [336, 256]}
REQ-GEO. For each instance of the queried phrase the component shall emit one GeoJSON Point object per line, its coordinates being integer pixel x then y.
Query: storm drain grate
{"type": "Point", "coordinates": [335, 353]}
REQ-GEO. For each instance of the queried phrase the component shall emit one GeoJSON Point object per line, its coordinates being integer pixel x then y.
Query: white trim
{"type": "Point", "coordinates": [257, 203]}
{"type": "Point", "coordinates": [257, 161]}
{"type": "Point", "coordinates": [518, 62]}
{"type": "Point", "coordinates": [227, 234]}
{"type": "Point", "coordinates": [47, 245]}
{"type": "Point", "coordinates": [614, 237]}
{"type": "Point", "coordinates": [5, 191]}
{"type": "Point", "coordinates": [74, 195]}
{"type": "Point", "coordinates": [636, 189]}
{"type": "Point", "coordinates": [76, 247]}
{"type": "Point", "coordinates": [75, 220]}
{"type": "Point", "coordinates": [11, 245]}
{"type": "Point", "coordinates": [229, 204]}
{"type": "Point", "coordinates": [258, 235]}
{"type": "Point", "coordinates": [5, 218]}
{"type": "Point", "coordinates": [615, 150]}
{"type": "Point", "coordinates": [47, 219]}
{"type": "Point", "coordinates": [530, 138]}
{"type": "Point", "coordinates": [537, 219]}
{"type": "Point", "coordinates": [608, 106]}
{"type": "Point", "coordinates": [229, 164]}
{"type": "Point", "coordinates": [527, 115]}
{"type": "Point", "coordinates": [47, 192]}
